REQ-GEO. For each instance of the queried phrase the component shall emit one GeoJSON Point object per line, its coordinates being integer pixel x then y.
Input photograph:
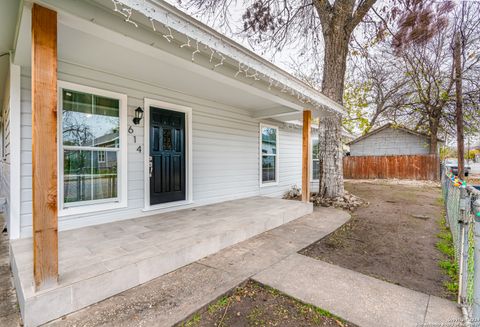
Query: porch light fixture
{"type": "Point", "coordinates": [138, 116]}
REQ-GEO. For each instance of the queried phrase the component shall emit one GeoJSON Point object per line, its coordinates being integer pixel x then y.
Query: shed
{"type": "Point", "coordinates": [391, 140]}
{"type": "Point", "coordinates": [392, 151]}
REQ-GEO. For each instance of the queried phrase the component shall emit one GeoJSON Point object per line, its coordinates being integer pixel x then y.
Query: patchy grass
{"type": "Point", "coordinates": [449, 265]}
{"type": "Point", "coordinates": [256, 305]}
{"type": "Point", "coordinates": [220, 304]}
{"type": "Point", "coordinates": [194, 321]}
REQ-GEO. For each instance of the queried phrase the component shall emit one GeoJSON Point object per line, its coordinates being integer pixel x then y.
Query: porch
{"type": "Point", "coordinates": [99, 261]}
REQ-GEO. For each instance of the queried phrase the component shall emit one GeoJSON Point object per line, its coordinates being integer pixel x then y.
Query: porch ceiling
{"type": "Point", "coordinates": [89, 43]}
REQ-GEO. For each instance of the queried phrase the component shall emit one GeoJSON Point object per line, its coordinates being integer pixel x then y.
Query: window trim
{"type": "Point", "coordinates": [102, 204]}
{"type": "Point", "coordinates": [312, 160]}
{"type": "Point", "coordinates": [104, 156]}
{"type": "Point", "coordinates": [277, 155]}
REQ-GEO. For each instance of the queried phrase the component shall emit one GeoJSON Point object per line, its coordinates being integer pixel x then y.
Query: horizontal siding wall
{"type": "Point", "coordinates": [391, 141]}
{"type": "Point", "coordinates": [225, 148]}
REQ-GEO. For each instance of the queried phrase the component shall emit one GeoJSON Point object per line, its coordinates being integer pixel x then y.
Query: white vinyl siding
{"type": "Point", "coordinates": [10, 151]}
{"type": "Point", "coordinates": [225, 144]}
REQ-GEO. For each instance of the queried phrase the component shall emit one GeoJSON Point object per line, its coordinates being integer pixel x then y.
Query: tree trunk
{"type": "Point", "coordinates": [434, 123]}
{"type": "Point", "coordinates": [338, 20]}
{"type": "Point", "coordinates": [330, 128]}
{"type": "Point", "coordinates": [335, 63]}
{"type": "Point", "coordinates": [330, 157]}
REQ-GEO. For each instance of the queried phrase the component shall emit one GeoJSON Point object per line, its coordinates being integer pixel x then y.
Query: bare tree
{"type": "Point", "coordinates": [377, 86]}
{"type": "Point", "coordinates": [422, 58]}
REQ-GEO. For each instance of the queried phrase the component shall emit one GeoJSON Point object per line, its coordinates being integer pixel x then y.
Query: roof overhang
{"type": "Point", "coordinates": [170, 16]}
{"type": "Point", "coordinates": [272, 93]}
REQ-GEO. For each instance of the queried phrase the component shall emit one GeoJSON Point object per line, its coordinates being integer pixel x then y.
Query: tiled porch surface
{"type": "Point", "coordinates": [99, 261]}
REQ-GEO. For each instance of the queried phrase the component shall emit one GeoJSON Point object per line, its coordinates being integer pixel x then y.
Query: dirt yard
{"type": "Point", "coordinates": [393, 238]}
{"type": "Point", "coordinates": [256, 305]}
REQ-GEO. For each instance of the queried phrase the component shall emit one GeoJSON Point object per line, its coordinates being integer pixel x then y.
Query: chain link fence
{"type": "Point", "coordinates": [462, 207]}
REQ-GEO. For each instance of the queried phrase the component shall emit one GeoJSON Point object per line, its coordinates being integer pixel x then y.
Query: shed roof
{"type": "Point", "coordinates": [391, 125]}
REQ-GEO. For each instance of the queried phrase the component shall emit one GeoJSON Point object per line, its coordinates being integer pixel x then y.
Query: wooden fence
{"type": "Point", "coordinates": [424, 167]}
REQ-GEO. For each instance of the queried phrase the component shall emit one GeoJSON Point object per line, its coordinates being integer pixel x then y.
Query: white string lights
{"type": "Point", "coordinates": [169, 37]}
{"type": "Point", "coordinates": [127, 12]}
{"type": "Point", "coordinates": [212, 52]}
{"type": "Point", "coordinates": [124, 11]}
{"type": "Point", "coordinates": [187, 44]}
{"type": "Point", "coordinates": [221, 60]}
{"type": "Point", "coordinates": [195, 52]}
{"type": "Point", "coordinates": [153, 23]}
{"type": "Point", "coordinates": [240, 69]}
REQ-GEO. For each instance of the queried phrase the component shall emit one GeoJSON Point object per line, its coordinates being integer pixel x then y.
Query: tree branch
{"type": "Point", "coordinates": [358, 15]}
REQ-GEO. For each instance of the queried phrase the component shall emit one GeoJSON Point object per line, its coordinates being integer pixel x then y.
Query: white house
{"type": "Point", "coordinates": [118, 116]}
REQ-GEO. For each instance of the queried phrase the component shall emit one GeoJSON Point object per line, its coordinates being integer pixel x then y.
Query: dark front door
{"type": "Point", "coordinates": [167, 156]}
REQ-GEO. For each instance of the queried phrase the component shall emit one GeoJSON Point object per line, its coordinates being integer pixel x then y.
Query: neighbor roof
{"type": "Point", "coordinates": [391, 125]}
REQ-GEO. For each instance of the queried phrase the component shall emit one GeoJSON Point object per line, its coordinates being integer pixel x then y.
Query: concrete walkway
{"type": "Point", "coordinates": [360, 299]}
{"type": "Point", "coordinates": [270, 258]}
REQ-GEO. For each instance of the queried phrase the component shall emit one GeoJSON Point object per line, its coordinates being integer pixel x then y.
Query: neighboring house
{"type": "Point", "coordinates": [392, 152]}
{"type": "Point", "coordinates": [390, 140]}
{"type": "Point", "coordinates": [215, 127]}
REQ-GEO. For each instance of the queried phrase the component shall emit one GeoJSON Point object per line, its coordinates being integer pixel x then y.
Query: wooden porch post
{"type": "Point", "coordinates": [44, 146]}
{"type": "Point", "coordinates": [306, 162]}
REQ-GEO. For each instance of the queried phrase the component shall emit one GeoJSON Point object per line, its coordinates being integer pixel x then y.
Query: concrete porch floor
{"type": "Point", "coordinates": [100, 261]}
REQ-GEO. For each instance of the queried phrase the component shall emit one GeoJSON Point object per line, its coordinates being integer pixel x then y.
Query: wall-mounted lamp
{"type": "Point", "coordinates": [138, 116]}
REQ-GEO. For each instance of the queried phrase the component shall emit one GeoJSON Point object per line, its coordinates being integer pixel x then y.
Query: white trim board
{"type": "Point", "coordinates": [15, 152]}
{"type": "Point", "coordinates": [277, 156]}
{"type": "Point", "coordinates": [146, 153]}
{"type": "Point", "coordinates": [122, 192]}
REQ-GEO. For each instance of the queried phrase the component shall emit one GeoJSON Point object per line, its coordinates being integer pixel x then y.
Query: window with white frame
{"type": "Point", "coordinates": [101, 156]}
{"type": "Point", "coordinates": [315, 161]}
{"type": "Point", "coordinates": [89, 147]}
{"type": "Point", "coordinates": [269, 153]}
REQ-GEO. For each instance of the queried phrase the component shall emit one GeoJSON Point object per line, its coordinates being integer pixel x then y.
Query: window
{"type": "Point", "coordinates": [315, 161]}
{"type": "Point", "coordinates": [269, 154]}
{"type": "Point", "coordinates": [91, 146]}
{"type": "Point", "coordinates": [101, 156]}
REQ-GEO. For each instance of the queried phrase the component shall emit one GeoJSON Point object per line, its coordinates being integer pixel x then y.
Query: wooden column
{"type": "Point", "coordinates": [44, 146]}
{"type": "Point", "coordinates": [306, 155]}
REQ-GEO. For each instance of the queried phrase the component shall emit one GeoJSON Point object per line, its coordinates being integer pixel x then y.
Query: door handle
{"type": "Point", "coordinates": [150, 166]}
